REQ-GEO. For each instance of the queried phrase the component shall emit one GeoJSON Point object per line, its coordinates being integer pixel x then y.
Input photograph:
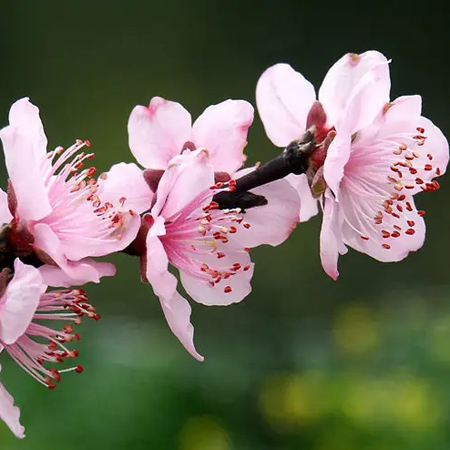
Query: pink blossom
{"type": "Point", "coordinates": [55, 209]}
{"type": "Point", "coordinates": [164, 129]}
{"type": "Point", "coordinates": [372, 157]}
{"type": "Point", "coordinates": [23, 304]}
{"type": "Point", "coordinates": [185, 228]}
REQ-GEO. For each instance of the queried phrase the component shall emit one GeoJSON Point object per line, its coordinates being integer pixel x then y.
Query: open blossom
{"type": "Point", "coordinates": [23, 303]}
{"type": "Point", "coordinates": [209, 246]}
{"type": "Point", "coordinates": [372, 155]}
{"type": "Point", "coordinates": [53, 202]}
{"type": "Point", "coordinates": [164, 129]}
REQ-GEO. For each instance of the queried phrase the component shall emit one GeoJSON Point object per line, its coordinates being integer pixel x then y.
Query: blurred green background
{"type": "Point", "coordinates": [304, 362]}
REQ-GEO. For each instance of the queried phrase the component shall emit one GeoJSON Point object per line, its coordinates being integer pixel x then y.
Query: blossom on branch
{"type": "Point", "coordinates": [54, 212]}
{"type": "Point", "coordinates": [371, 155]}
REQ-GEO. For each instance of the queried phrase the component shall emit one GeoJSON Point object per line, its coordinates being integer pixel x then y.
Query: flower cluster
{"type": "Point", "coordinates": [353, 153]}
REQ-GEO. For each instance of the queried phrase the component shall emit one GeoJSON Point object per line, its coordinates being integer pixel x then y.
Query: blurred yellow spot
{"type": "Point", "coordinates": [356, 330]}
{"type": "Point", "coordinates": [290, 400]}
{"type": "Point", "coordinates": [204, 433]}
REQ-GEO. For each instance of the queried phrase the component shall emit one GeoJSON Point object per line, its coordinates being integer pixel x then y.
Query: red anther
{"type": "Point", "coordinates": [420, 130]}
{"type": "Point", "coordinates": [428, 167]}
{"type": "Point", "coordinates": [88, 144]}
{"type": "Point", "coordinates": [220, 255]}
{"type": "Point", "coordinates": [246, 225]}
{"type": "Point", "coordinates": [435, 184]}
{"type": "Point", "coordinates": [421, 213]}
{"type": "Point", "coordinates": [122, 200]}
{"type": "Point", "coordinates": [419, 181]}
{"type": "Point", "coordinates": [236, 266]}
{"type": "Point", "coordinates": [51, 386]}
{"type": "Point", "coordinates": [77, 336]}
{"type": "Point", "coordinates": [385, 234]}
{"type": "Point", "coordinates": [247, 249]}
{"type": "Point", "coordinates": [362, 236]}
{"type": "Point", "coordinates": [79, 369]}
{"type": "Point", "coordinates": [56, 375]}
{"type": "Point", "coordinates": [232, 182]}
{"type": "Point", "coordinates": [386, 246]}
{"type": "Point", "coordinates": [224, 239]}
{"type": "Point", "coordinates": [400, 207]}
{"type": "Point", "coordinates": [408, 206]}
{"type": "Point", "coordinates": [226, 275]}
{"type": "Point", "coordinates": [403, 147]}
{"type": "Point", "coordinates": [67, 328]}
{"type": "Point", "coordinates": [395, 234]}
{"type": "Point", "coordinates": [75, 353]}
{"type": "Point", "coordinates": [246, 268]}
{"type": "Point", "coordinates": [396, 215]}
{"type": "Point", "coordinates": [227, 289]}
{"type": "Point", "coordinates": [401, 197]}
{"type": "Point", "coordinates": [217, 235]}
{"type": "Point", "coordinates": [91, 171]}
{"type": "Point", "coordinates": [409, 186]}
{"type": "Point", "coordinates": [52, 346]}
{"type": "Point", "coordinates": [97, 316]}
{"type": "Point", "coordinates": [430, 156]}
{"type": "Point", "coordinates": [232, 229]}
{"type": "Point", "coordinates": [410, 231]}
{"type": "Point", "coordinates": [211, 283]}
{"type": "Point", "coordinates": [397, 227]}
{"type": "Point", "coordinates": [213, 205]}
{"type": "Point", "coordinates": [412, 171]}
{"type": "Point", "coordinates": [411, 223]}
{"type": "Point", "coordinates": [438, 171]}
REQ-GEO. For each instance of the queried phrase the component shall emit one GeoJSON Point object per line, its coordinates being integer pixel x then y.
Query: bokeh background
{"type": "Point", "coordinates": [304, 362]}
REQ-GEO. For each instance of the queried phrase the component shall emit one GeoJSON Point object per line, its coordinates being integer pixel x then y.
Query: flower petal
{"type": "Point", "coordinates": [126, 181]}
{"type": "Point", "coordinates": [222, 129]}
{"type": "Point", "coordinates": [19, 302]}
{"type": "Point", "coordinates": [187, 176]}
{"type": "Point", "coordinates": [5, 215]}
{"type": "Point", "coordinates": [270, 224]}
{"type": "Point", "coordinates": [81, 272]}
{"type": "Point", "coordinates": [159, 132]}
{"type": "Point", "coordinates": [331, 243]}
{"type": "Point", "coordinates": [9, 413]}
{"type": "Point", "coordinates": [284, 98]}
{"type": "Point", "coordinates": [164, 284]}
{"type": "Point", "coordinates": [228, 290]}
{"type": "Point", "coordinates": [24, 148]}
{"type": "Point", "coordinates": [337, 157]}
{"type": "Point", "coordinates": [308, 204]}
{"type": "Point", "coordinates": [355, 89]}
{"type": "Point", "coordinates": [178, 313]}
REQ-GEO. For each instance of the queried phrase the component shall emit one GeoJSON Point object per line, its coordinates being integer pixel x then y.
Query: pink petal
{"type": "Point", "coordinates": [25, 140]}
{"type": "Point", "coordinates": [164, 284]}
{"type": "Point", "coordinates": [159, 132]}
{"type": "Point", "coordinates": [81, 272]}
{"type": "Point", "coordinates": [5, 215]}
{"type": "Point", "coordinates": [222, 129]}
{"type": "Point", "coordinates": [220, 294]}
{"type": "Point", "coordinates": [308, 204]}
{"type": "Point", "coordinates": [178, 312]}
{"type": "Point", "coordinates": [331, 243]}
{"type": "Point", "coordinates": [359, 212]}
{"type": "Point", "coordinates": [24, 116]}
{"type": "Point", "coordinates": [355, 89]}
{"type": "Point", "coordinates": [284, 98]}
{"type": "Point", "coordinates": [337, 157]}
{"type": "Point", "coordinates": [78, 247]}
{"type": "Point", "coordinates": [9, 413]}
{"type": "Point", "coordinates": [187, 176]}
{"type": "Point", "coordinates": [272, 223]}
{"type": "Point", "coordinates": [126, 181]}
{"type": "Point", "coordinates": [19, 302]}
{"type": "Point", "coordinates": [402, 107]}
